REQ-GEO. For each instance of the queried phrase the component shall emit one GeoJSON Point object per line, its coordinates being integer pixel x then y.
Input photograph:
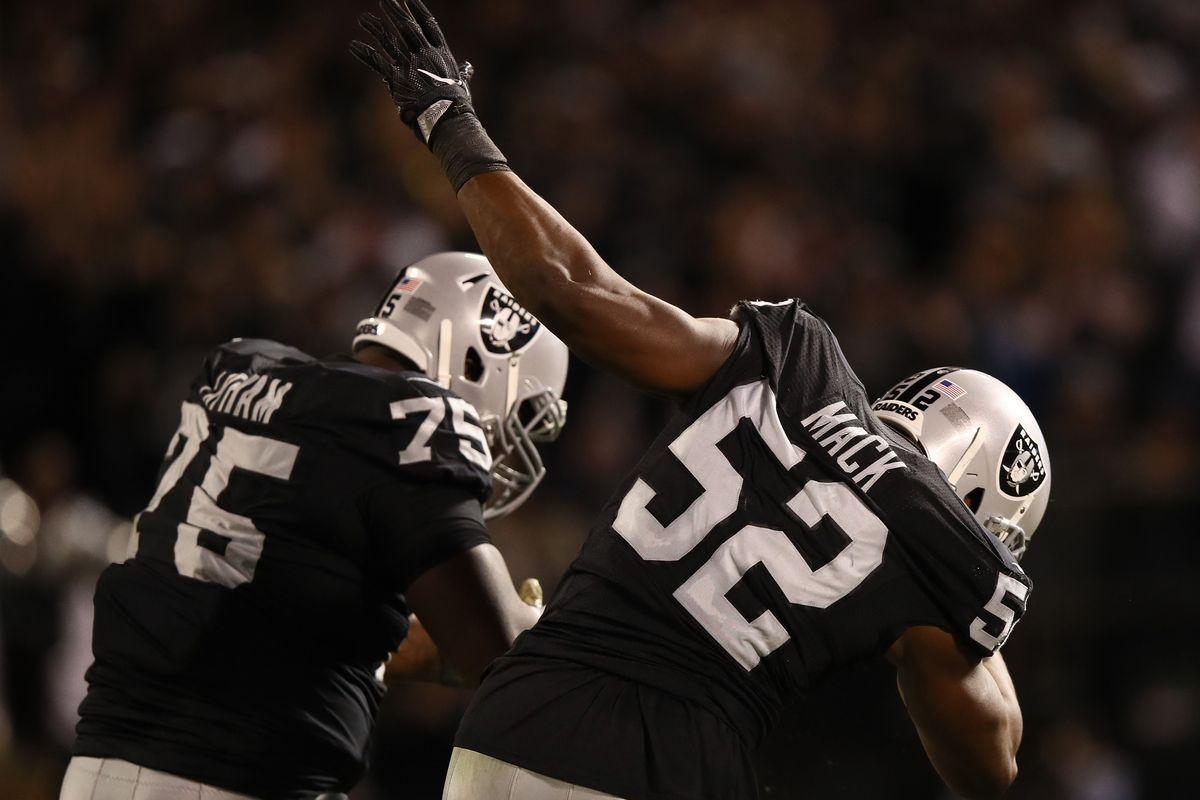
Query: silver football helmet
{"type": "Point", "coordinates": [986, 441]}
{"type": "Point", "coordinates": [451, 316]}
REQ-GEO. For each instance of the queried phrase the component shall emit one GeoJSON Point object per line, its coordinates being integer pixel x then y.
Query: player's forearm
{"type": "Point", "coordinates": [966, 712]}
{"type": "Point", "coordinates": [978, 760]}
{"type": "Point", "coordinates": [467, 657]}
{"type": "Point", "coordinates": [417, 658]}
{"type": "Point", "coordinates": [469, 615]}
{"type": "Point", "coordinates": [603, 318]}
{"type": "Point", "coordinates": [1010, 708]}
{"type": "Point", "coordinates": [547, 264]}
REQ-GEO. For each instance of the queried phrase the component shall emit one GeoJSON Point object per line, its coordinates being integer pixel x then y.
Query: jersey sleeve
{"type": "Point", "coordinates": [406, 460]}
{"type": "Point", "coordinates": [801, 355]}
{"type": "Point", "coordinates": [435, 436]}
{"type": "Point", "coordinates": [431, 475]}
{"type": "Point", "coordinates": [414, 527]}
{"type": "Point", "coordinates": [974, 588]}
{"type": "Point", "coordinates": [978, 587]}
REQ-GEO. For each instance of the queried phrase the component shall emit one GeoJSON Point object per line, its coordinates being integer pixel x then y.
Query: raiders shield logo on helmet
{"type": "Point", "coordinates": [505, 325]}
{"type": "Point", "coordinates": [1021, 469]}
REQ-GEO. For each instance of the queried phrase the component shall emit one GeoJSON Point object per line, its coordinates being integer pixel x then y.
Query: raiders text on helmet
{"type": "Point", "coordinates": [986, 441]}
{"type": "Point", "coordinates": [450, 315]}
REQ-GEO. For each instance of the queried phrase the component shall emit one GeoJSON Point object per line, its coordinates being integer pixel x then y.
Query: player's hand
{"type": "Point", "coordinates": [430, 88]}
{"type": "Point", "coordinates": [531, 593]}
{"type": "Point", "coordinates": [426, 82]}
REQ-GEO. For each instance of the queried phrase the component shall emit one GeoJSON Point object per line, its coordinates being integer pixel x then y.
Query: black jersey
{"type": "Point", "coordinates": [775, 531]}
{"type": "Point", "coordinates": [238, 644]}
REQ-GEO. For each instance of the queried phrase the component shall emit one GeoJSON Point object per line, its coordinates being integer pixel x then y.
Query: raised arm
{"type": "Point", "coordinates": [966, 712]}
{"type": "Point", "coordinates": [544, 261]}
{"type": "Point", "coordinates": [602, 317]}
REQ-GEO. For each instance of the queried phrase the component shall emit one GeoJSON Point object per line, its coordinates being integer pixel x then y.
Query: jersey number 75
{"type": "Point", "coordinates": [215, 544]}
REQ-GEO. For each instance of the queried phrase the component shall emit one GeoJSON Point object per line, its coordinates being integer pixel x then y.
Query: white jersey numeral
{"type": "Point", "coordinates": [1005, 585]}
{"type": "Point", "coordinates": [244, 542]}
{"type": "Point", "coordinates": [193, 430]}
{"type": "Point", "coordinates": [697, 449]}
{"type": "Point", "coordinates": [435, 411]}
{"type": "Point", "coordinates": [472, 442]}
{"type": "Point", "coordinates": [704, 594]}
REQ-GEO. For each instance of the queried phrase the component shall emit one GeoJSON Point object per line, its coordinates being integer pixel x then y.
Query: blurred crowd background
{"type": "Point", "coordinates": [1012, 185]}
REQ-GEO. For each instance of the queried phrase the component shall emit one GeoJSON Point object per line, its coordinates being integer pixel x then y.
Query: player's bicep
{"type": "Point", "coordinates": [430, 542]}
{"type": "Point", "coordinates": [470, 609]}
{"type": "Point", "coordinates": [603, 318]}
{"type": "Point", "coordinates": [643, 339]}
{"type": "Point", "coordinates": [439, 438]}
{"type": "Point", "coordinates": [413, 527]}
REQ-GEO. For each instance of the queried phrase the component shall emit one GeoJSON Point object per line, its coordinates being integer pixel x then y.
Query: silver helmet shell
{"type": "Point", "coordinates": [986, 441]}
{"type": "Point", "coordinates": [451, 316]}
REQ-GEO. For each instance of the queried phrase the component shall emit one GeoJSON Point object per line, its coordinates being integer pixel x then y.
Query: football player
{"type": "Point", "coordinates": [305, 507]}
{"type": "Point", "coordinates": [780, 527]}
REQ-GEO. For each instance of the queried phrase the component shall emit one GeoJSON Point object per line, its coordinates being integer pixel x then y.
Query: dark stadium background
{"type": "Point", "coordinates": [1007, 184]}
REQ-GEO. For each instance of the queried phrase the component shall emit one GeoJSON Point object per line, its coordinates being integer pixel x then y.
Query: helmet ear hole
{"type": "Point", "coordinates": [974, 499]}
{"type": "Point", "coordinates": [472, 365]}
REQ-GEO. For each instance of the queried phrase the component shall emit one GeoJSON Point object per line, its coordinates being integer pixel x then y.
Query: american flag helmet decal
{"type": "Point", "coordinates": [950, 389]}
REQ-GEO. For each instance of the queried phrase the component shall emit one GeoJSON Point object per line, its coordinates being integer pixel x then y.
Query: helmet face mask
{"type": "Point", "coordinates": [984, 439]}
{"type": "Point", "coordinates": [451, 316]}
{"type": "Point", "coordinates": [517, 467]}
{"type": "Point", "coordinates": [1010, 534]}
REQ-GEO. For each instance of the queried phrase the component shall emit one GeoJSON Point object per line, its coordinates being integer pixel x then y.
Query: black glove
{"type": "Point", "coordinates": [429, 88]}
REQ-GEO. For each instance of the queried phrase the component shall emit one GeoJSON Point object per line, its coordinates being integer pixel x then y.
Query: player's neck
{"type": "Point", "coordinates": [376, 356]}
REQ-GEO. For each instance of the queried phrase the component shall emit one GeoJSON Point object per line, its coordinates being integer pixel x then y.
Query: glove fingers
{"type": "Point", "coordinates": [433, 31]}
{"type": "Point", "coordinates": [376, 27]}
{"type": "Point", "coordinates": [407, 27]}
{"type": "Point", "coordinates": [395, 10]}
{"type": "Point", "coordinates": [467, 71]}
{"type": "Point", "coordinates": [372, 58]}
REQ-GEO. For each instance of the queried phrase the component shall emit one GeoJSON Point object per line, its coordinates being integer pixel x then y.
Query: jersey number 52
{"type": "Point", "coordinates": [703, 595]}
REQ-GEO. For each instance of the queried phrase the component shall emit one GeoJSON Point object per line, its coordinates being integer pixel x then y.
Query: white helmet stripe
{"type": "Point", "coordinates": [445, 343]}
{"type": "Point", "coordinates": [514, 383]}
{"type": "Point", "coordinates": [967, 456]}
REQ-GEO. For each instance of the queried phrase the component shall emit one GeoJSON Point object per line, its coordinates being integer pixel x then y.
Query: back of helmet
{"type": "Point", "coordinates": [452, 317]}
{"type": "Point", "coordinates": [984, 438]}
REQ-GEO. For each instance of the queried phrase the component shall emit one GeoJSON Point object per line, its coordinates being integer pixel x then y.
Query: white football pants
{"type": "Point", "coordinates": [474, 776]}
{"type": "Point", "coordinates": [114, 779]}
